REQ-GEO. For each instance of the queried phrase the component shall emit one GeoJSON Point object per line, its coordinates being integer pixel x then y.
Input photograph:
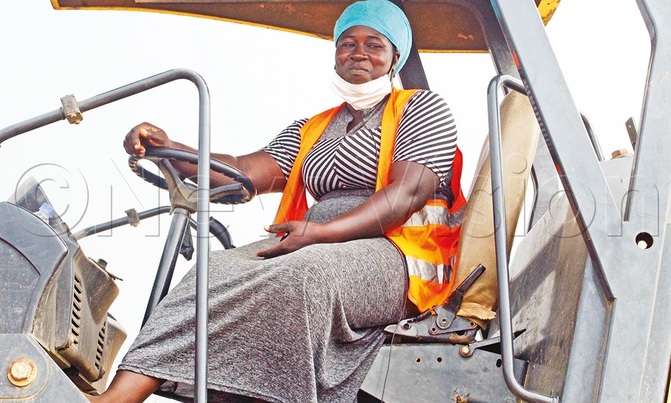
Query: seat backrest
{"type": "Point", "coordinates": [519, 138]}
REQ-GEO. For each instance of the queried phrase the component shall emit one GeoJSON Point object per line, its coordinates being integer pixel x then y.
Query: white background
{"type": "Point", "coordinates": [260, 80]}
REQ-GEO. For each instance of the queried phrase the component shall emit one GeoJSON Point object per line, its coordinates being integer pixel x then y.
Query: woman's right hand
{"type": "Point", "coordinates": [143, 135]}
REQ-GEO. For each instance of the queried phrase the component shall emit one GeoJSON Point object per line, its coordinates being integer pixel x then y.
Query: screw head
{"type": "Point", "coordinates": [465, 351]}
{"type": "Point", "coordinates": [22, 372]}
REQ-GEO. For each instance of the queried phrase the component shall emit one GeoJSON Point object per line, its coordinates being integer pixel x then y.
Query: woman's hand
{"type": "Point", "coordinates": [410, 186]}
{"type": "Point", "coordinates": [259, 166]}
{"type": "Point", "coordinates": [145, 135]}
{"type": "Point", "coordinates": [297, 234]}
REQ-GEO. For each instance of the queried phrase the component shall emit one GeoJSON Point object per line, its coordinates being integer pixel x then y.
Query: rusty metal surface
{"type": "Point", "coordinates": [439, 26]}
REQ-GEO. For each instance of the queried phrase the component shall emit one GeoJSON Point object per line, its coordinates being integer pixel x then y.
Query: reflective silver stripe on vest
{"type": "Point", "coordinates": [428, 215]}
{"type": "Point", "coordinates": [428, 271]}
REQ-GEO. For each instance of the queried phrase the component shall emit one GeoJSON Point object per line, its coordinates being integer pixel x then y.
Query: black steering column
{"type": "Point", "coordinates": [183, 202]}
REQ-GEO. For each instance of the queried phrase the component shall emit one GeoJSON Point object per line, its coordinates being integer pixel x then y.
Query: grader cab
{"type": "Point", "coordinates": [583, 302]}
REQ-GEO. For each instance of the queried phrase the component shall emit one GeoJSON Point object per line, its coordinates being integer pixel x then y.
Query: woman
{"type": "Point", "coordinates": [300, 318]}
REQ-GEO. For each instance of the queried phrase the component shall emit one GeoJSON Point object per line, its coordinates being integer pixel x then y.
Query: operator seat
{"type": "Point", "coordinates": [520, 133]}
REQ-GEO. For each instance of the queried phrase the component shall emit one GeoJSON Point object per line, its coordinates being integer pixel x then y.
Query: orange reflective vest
{"type": "Point", "coordinates": [426, 239]}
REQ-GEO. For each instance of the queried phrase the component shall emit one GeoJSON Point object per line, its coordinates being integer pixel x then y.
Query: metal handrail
{"type": "Point", "coordinates": [500, 231]}
{"type": "Point", "coordinates": [72, 110]}
{"type": "Point", "coordinates": [116, 223]}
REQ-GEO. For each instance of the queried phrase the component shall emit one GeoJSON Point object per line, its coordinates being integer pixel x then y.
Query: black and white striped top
{"type": "Point", "coordinates": [426, 134]}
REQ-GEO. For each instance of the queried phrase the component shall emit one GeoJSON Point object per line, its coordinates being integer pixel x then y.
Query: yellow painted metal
{"type": "Point", "coordinates": [546, 9]}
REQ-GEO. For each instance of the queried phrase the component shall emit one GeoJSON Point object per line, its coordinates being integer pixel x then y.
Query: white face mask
{"type": "Point", "coordinates": [361, 96]}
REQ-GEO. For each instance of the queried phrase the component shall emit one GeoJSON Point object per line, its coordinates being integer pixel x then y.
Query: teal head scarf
{"type": "Point", "coordinates": [384, 17]}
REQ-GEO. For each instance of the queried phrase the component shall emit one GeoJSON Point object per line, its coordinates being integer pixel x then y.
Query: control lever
{"type": "Point", "coordinates": [442, 323]}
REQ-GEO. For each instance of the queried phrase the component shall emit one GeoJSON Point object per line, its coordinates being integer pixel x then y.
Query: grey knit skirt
{"type": "Point", "coordinates": [303, 327]}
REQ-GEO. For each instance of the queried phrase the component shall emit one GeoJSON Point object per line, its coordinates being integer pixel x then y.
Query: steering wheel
{"type": "Point", "coordinates": [235, 193]}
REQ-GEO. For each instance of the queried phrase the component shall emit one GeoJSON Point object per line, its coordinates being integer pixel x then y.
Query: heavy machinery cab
{"type": "Point", "coordinates": [589, 283]}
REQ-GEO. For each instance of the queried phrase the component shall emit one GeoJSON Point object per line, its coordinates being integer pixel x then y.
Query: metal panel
{"type": "Point", "coordinates": [32, 252]}
{"type": "Point", "coordinates": [438, 373]}
{"type": "Point", "coordinates": [628, 255]}
{"type": "Point", "coordinates": [648, 212]}
{"type": "Point", "coordinates": [560, 300]}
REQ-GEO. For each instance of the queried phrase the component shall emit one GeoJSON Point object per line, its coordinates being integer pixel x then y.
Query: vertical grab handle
{"type": "Point", "coordinates": [505, 317]}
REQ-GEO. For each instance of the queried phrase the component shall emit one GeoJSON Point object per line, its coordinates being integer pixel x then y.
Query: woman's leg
{"type": "Point", "coordinates": [131, 387]}
{"type": "Point", "coordinates": [128, 387]}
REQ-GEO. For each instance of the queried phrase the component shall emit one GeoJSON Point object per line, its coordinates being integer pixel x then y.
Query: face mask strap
{"type": "Point", "coordinates": [394, 63]}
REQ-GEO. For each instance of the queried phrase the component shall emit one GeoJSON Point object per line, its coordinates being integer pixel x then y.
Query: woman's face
{"type": "Point", "coordinates": [363, 54]}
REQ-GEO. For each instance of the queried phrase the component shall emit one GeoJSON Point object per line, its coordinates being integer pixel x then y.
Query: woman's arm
{"type": "Point", "coordinates": [259, 166]}
{"type": "Point", "coordinates": [410, 187]}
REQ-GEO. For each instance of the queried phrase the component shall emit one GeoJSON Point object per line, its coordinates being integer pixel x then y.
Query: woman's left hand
{"type": "Point", "coordinates": [410, 186]}
{"type": "Point", "coordinates": [297, 234]}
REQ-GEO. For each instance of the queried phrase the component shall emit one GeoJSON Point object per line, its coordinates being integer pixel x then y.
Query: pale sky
{"type": "Point", "coordinates": [260, 80]}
